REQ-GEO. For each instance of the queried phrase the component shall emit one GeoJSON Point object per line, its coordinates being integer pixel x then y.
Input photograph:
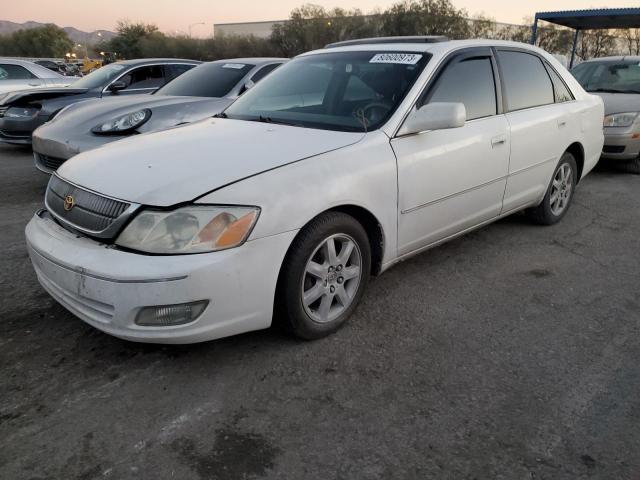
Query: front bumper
{"type": "Point", "coordinates": [57, 143]}
{"type": "Point", "coordinates": [621, 146]}
{"type": "Point", "coordinates": [18, 131]}
{"type": "Point", "coordinates": [107, 287]}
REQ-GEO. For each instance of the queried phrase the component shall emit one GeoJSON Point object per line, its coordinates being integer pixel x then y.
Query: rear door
{"type": "Point", "coordinates": [538, 126]}
{"type": "Point", "coordinates": [452, 180]}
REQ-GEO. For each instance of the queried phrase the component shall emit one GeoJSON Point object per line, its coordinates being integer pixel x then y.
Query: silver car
{"type": "Point", "coordinates": [199, 93]}
{"type": "Point", "coordinates": [617, 81]}
{"type": "Point", "coordinates": [21, 74]}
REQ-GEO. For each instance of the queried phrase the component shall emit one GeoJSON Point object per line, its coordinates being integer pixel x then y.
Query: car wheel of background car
{"type": "Point", "coordinates": [324, 276]}
{"type": "Point", "coordinates": [558, 198]}
{"type": "Point", "coordinates": [632, 166]}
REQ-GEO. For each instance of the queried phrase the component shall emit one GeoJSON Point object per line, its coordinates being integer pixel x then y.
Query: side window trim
{"type": "Point", "coordinates": [544, 65]}
{"type": "Point", "coordinates": [459, 56]}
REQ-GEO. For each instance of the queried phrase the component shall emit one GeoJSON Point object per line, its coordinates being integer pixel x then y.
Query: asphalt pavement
{"type": "Point", "coordinates": [510, 353]}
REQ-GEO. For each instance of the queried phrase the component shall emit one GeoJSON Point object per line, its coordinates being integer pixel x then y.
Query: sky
{"type": "Point", "coordinates": [176, 16]}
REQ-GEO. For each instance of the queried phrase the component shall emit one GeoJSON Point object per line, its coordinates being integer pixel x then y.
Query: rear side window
{"type": "Point", "coordinates": [469, 81]}
{"type": "Point", "coordinates": [14, 72]}
{"type": "Point", "coordinates": [526, 81]}
{"type": "Point", "coordinates": [562, 93]}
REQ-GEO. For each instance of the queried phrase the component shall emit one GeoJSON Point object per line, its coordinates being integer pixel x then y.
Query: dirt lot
{"type": "Point", "coordinates": [511, 353]}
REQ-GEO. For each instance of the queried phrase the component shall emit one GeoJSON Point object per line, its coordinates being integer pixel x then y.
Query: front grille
{"type": "Point", "coordinates": [613, 149]}
{"type": "Point", "coordinates": [48, 163]}
{"type": "Point", "coordinates": [91, 213]}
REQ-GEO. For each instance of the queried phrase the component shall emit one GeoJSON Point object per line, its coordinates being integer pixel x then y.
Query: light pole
{"type": "Point", "coordinates": [193, 25]}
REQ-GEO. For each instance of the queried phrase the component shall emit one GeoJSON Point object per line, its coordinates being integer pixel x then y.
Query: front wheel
{"type": "Point", "coordinates": [558, 198]}
{"type": "Point", "coordinates": [324, 276]}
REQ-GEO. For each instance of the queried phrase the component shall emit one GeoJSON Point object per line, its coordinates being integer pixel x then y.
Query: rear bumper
{"type": "Point", "coordinates": [107, 287]}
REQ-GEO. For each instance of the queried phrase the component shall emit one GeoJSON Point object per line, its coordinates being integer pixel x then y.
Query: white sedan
{"type": "Point", "coordinates": [18, 74]}
{"type": "Point", "coordinates": [337, 166]}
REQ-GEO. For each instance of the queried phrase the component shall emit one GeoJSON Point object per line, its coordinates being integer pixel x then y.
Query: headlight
{"type": "Point", "coordinates": [125, 123]}
{"type": "Point", "coordinates": [192, 229]}
{"type": "Point", "coordinates": [620, 119]}
{"type": "Point", "coordinates": [21, 112]}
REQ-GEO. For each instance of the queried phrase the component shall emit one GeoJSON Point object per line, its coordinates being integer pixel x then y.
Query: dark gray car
{"type": "Point", "coordinates": [23, 111]}
{"type": "Point", "coordinates": [617, 81]}
{"type": "Point", "coordinates": [203, 92]}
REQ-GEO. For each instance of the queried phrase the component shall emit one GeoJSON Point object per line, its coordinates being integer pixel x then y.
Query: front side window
{"type": "Point", "coordinates": [215, 79]}
{"type": "Point", "coordinates": [610, 76]}
{"type": "Point", "coordinates": [346, 91]}
{"type": "Point", "coordinates": [526, 81]}
{"type": "Point", "coordinates": [469, 81]}
{"type": "Point", "coordinates": [263, 72]}
{"type": "Point", "coordinates": [151, 76]}
{"type": "Point", "coordinates": [14, 72]}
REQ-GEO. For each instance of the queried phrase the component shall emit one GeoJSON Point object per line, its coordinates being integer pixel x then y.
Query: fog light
{"type": "Point", "coordinates": [168, 315]}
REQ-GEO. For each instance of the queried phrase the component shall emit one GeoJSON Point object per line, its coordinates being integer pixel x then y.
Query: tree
{"type": "Point", "coordinates": [46, 41]}
{"type": "Point", "coordinates": [311, 27]}
{"type": "Point", "coordinates": [425, 17]}
{"type": "Point", "coordinates": [595, 43]}
{"type": "Point", "coordinates": [128, 42]}
{"type": "Point", "coordinates": [631, 37]}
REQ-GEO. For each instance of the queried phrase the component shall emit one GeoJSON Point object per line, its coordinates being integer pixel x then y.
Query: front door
{"type": "Point", "coordinates": [454, 179]}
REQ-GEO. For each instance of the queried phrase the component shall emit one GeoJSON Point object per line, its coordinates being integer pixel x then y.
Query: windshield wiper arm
{"type": "Point", "coordinates": [265, 119]}
{"type": "Point", "coordinates": [220, 115]}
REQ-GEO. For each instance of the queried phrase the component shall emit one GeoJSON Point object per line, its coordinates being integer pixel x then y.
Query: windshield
{"type": "Point", "coordinates": [616, 77]}
{"type": "Point", "coordinates": [347, 91]}
{"type": "Point", "coordinates": [99, 78]}
{"type": "Point", "coordinates": [207, 80]}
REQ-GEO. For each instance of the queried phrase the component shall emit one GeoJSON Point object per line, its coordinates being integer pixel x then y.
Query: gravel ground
{"type": "Point", "coordinates": [511, 353]}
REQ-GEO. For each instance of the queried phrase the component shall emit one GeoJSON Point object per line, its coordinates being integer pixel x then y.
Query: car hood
{"type": "Point", "coordinates": [620, 102]}
{"type": "Point", "coordinates": [166, 111]}
{"type": "Point", "coordinates": [181, 164]}
{"type": "Point", "coordinates": [39, 94]}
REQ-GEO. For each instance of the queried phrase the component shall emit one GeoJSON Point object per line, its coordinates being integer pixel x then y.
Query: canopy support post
{"type": "Point", "coordinates": [534, 30]}
{"type": "Point", "coordinates": [575, 46]}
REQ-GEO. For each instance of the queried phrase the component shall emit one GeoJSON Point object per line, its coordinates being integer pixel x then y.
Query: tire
{"type": "Point", "coordinates": [563, 184]}
{"type": "Point", "coordinates": [632, 166]}
{"type": "Point", "coordinates": [333, 288]}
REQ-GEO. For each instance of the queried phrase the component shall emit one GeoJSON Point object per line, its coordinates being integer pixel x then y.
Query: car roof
{"type": "Point", "coordinates": [146, 61]}
{"type": "Point", "coordinates": [251, 60]}
{"type": "Point", "coordinates": [617, 58]}
{"type": "Point", "coordinates": [435, 48]}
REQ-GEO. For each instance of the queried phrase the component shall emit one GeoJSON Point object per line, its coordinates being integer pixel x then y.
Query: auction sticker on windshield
{"type": "Point", "coordinates": [237, 66]}
{"type": "Point", "coordinates": [401, 58]}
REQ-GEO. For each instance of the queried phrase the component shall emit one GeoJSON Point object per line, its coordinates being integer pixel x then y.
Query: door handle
{"type": "Point", "coordinates": [499, 140]}
{"type": "Point", "coordinates": [562, 123]}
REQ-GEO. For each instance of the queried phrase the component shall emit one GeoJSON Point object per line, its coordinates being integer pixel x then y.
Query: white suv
{"type": "Point", "coordinates": [335, 167]}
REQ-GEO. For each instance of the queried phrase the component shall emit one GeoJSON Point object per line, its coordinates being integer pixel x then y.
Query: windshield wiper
{"type": "Point", "coordinates": [609, 90]}
{"type": "Point", "coordinates": [265, 119]}
{"type": "Point", "coordinates": [220, 115]}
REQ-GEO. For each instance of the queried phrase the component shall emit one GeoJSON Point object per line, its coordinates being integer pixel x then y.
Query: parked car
{"type": "Point", "coordinates": [20, 74]}
{"type": "Point", "coordinates": [338, 165]}
{"type": "Point", "coordinates": [617, 81]}
{"type": "Point", "coordinates": [202, 92]}
{"type": "Point", "coordinates": [23, 111]}
{"type": "Point", "coordinates": [51, 65]}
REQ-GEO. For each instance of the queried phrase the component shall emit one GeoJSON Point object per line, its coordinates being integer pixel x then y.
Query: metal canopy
{"type": "Point", "coordinates": [596, 19]}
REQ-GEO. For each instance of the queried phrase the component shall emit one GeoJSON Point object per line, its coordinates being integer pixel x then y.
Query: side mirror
{"type": "Point", "coordinates": [434, 116]}
{"type": "Point", "coordinates": [117, 86]}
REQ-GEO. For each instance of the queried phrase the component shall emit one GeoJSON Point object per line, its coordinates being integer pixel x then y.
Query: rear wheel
{"type": "Point", "coordinates": [324, 276]}
{"type": "Point", "coordinates": [558, 198]}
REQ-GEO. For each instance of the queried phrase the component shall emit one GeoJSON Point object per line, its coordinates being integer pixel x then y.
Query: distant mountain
{"type": "Point", "coordinates": [76, 35]}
